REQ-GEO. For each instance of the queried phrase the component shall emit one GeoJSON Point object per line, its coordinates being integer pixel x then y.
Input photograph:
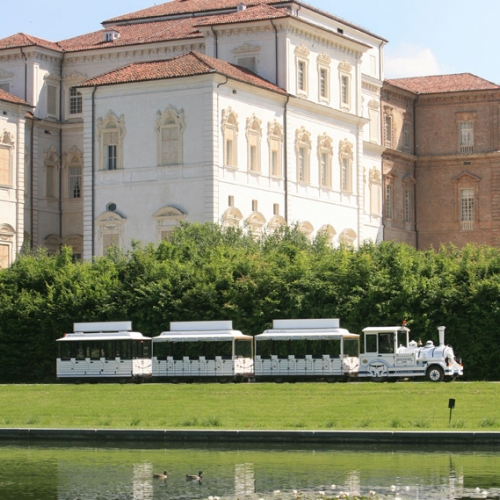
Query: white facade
{"type": "Point", "coordinates": [201, 147]}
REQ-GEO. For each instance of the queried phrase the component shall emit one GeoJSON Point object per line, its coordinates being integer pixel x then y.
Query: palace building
{"type": "Point", "coordinates": [252, 113]}
{"type": "Point", "coordinates": [441, 166]}
{"type": "Point", "coordinates": [248, 113]}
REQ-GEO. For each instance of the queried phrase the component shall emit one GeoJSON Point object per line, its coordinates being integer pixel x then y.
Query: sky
{"type": "Point", "coordinates": [425, 37]}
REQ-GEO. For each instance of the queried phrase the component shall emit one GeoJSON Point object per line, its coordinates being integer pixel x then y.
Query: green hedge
{"type": "Point", "coordinates": [206, 272]}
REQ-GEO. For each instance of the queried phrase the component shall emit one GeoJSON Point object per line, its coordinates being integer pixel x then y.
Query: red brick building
{"type": "Point", "coordinates": [441, 166]}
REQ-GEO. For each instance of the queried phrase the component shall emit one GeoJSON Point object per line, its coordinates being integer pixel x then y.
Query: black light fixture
{"type": "Point", "coordinates": [451, 405]}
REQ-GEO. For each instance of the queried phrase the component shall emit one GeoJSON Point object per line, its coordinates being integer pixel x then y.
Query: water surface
{"type": "Point", "coordinates": [113, 472]}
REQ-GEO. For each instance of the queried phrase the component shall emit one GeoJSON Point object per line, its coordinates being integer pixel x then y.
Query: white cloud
{"type": "Point", "coordinates": [408, 60]}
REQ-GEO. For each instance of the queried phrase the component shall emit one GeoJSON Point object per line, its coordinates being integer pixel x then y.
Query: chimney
{"type": "Point", "coordinates": [241, 7]}
{"type": "Point", "coordinates": [441, 330]}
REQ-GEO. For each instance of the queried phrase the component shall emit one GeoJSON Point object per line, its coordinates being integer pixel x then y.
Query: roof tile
{"type": "Point", "coordinates": [134, 34]}
{"type": "Point", "coordinates": [460, 82]}
{"type": "Point", "coordinates": [8, 97]}
{"type": "Point", "coordinates": [193, 63]}
{"type": "Point", "coordinates": [23, 40]}
{"type": "Point", "coordinates": [187, 6]}
{"type": "Point", "coordinates": [254, 13]}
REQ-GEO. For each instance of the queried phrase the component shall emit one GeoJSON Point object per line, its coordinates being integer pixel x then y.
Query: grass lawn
{"type": "Point", "coordinates": [308, 406]}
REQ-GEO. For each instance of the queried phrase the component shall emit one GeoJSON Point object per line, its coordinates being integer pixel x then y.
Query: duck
{"type": "Point", "coordinates": [194, 477]}
{"type": "Point", "coordinates": [161, 476]}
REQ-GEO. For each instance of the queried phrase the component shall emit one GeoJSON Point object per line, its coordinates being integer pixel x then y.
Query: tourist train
{"type": "Point", "coordinates": [293, 350]}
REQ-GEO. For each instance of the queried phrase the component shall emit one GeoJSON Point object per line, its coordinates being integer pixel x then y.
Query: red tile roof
{"type": "Point", "coordinates": [254, 13]}
{"type": "Point", "coordinates": [188, 6]}
{"type": "Point", "coordinates": [22, 40]}
{"type": "Point", "coordinates": [461, 82]}
{"type": "Point", "coordinates": [190, 64]}
{"type": "Point", "coordinates": [8, 97]}
{"type": "Point", "coordinates": [135, 34]}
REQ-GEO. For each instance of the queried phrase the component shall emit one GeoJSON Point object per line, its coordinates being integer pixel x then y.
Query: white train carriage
{"type": "Point", "coordinates": [306, 349]}
{"type": "Point", "coordinates": [202, 350]}
{"type": "Point", "coordinates": [103, 350]}
{"type": "Point", "coordinates": [389, 355]}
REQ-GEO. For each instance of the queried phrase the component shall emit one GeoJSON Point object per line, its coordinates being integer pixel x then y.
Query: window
{"type": "Point", "coordinates": [303, 150]}
{"type": "Point", "coordinates": [75, 101]}
{"type": "Point", "coordinates": [406, 135]}
{"type": "Point", "coordinates": [407, 205]}
{"type": "Point", "coordinates": [388, 201]}
{"type": "Point", "coordinates": [230, 201]}
{"type": "Point", "coordinates": [249, 63]}
{"type": "Point", "coordinates": [6, 147]}
{"type": "Point", "coordinates": [346, 158]}
{"type": "Point", "coordinates": [324, 61]}
{"type": "Point", "coordinates": [388, 130]}
{"type": "Point", "coordinates": [325, 154]}
{"type": "Point", "coordinates": [255, 206]}
{"type": "Point", "coordinates": [344, 89]}
{"type": "Point", "coordinates": [167, 219]}
{"type": "Point", "coordinates": [375, 191]}
{"type": "Point", "coordinates": [75, 181]}
{"type": "Point", "coordinates": [230, 134]}
{"type": "Point", "coordinates": [345, 70]}
{"type": "Point", "coordinates": [323, 83]}
{"type": "Point", "coordinates": [111, 131]}
{"type": "Point", "coordinates": [50, 180]}
{"type": "Point", "coordinates": [4, 166]}
{"type": "Point", "coordinates": [466, 137]}
{"type": "Point", "coordinates": [51, 162]}
{"type": "Point", "coordinates": [275, 141]}
{"type": "Point", "coordinates": [301, 56]}
{"type": "Point", "coordinates": [111, 153]}
{"type": "Point", "coordinates": [374, 116]}
{"type": "Point", "coordinates": [4, 256]}
{"type": "Point", "coordinates": [110, 227]}
{"type": "Point", "coordinates": [301, 75]}
{"type": "Point", "coordinates": [276, 209]}
{"type": "Point", "coordinates": [52, 100]}
{"type": "Point", "coordinates": [170, 127]}
{"type": "Point", "coordinates": [467, 209]}
{"type": "Point", "coordinates": [254, 134]}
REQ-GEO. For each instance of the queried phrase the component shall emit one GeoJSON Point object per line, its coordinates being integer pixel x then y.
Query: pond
{"type": "Point", "coordinates": [112, 472]}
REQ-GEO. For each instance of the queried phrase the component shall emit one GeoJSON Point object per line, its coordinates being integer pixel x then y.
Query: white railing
{"type": "Point", "coordinates": [467, 225]}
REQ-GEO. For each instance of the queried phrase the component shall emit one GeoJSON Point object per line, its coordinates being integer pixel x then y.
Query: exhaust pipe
{"type": "Point", "coordinates": [441, 330]}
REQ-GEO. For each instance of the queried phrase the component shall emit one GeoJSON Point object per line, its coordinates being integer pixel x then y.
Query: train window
{"type": "Point", "coordinates": [371, 343]}
{"type": "Point", "coordinates": [351, 347]}
{"type": "Point", "coordinates": [263, 348]}
{"type": "Point", "coordinates": [65, 350]}
{"type": "Point", "coordinates": [243, 348]}
{"type": "Point", "coordinates": [386, 343]}
{"type": "Point", "coordinates": [178, 351]}
{"type": "Point", "coordinates": [402, 338]}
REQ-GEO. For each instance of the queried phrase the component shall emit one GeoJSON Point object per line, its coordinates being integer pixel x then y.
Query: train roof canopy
{"type": "Point", "coordinates": [201, 331]}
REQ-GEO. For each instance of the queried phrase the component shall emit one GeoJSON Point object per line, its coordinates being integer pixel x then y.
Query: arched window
{"type": "Point", "coordinates": [110, 229]}
{"type": "Point", "coordinates": [167, 219]}
{"type": "Point", "coordinates": [75, 241]}
{"type": "Point", "coordinates": [346, 156]}
{"type": "Point", "coordinates": [170, 127]}
{"type": "Point", "coordinates": [231, 217]}
{"type": "Point", "coordinates": [328, 231]}
{"type": "Point", "coordinates": [72, 167]}
{"type": "Point", "coordinates": [111, 131]}
{"type": "Point", "coordinates": [51, 166]}
{"type": "Point", "coordinates": [325, 155]}
{"type": "Point", "coordinates": [7, 234]}
{"type": "Point", "coordinates": [254, 136]}
{"type": "Point", "coordinates": [303, 153]}
{"type": "Point", "coordinates": [230, 134]}
{"type": "Point", "coordinates": [306, 228]}
{"type": "Point", "coordinates": [275, 141]}
{"type": "Point", "coordinates": [6, 152]}
{"type": "Point", "coordinates": [255, 223]}
{"type": "Point", "coordinates": [348, 237]}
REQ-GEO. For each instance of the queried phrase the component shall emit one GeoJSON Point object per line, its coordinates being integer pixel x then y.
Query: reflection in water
{"type": "Point", "coordinates": [244, 473]}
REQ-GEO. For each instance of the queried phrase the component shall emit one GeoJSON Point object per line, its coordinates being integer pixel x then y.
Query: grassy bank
{"type": "Point", "coordinates": [314, 406]}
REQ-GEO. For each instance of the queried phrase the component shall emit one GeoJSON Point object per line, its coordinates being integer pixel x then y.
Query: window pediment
{"type": "Point", "coordinates": [466, 176]}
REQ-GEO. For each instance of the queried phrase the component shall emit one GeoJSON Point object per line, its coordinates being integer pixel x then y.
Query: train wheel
{"type": "Point", "coordinates": [434, 374]}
